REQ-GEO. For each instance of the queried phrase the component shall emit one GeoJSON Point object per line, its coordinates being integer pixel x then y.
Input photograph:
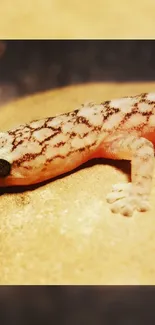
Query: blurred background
{"type": "Point", "coordinates": [27, 67]}
{"type": "Point", "coordinates": [68, 19]}
{"type": "Point", "coordinates": [77, 305]}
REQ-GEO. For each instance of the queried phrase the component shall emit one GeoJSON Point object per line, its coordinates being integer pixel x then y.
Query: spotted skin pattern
{"type": "Point", "coordinates": [118, 129]}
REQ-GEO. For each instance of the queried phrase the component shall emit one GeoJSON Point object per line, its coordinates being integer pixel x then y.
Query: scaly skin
{"type": "Point", "coordinates": [117, 129]}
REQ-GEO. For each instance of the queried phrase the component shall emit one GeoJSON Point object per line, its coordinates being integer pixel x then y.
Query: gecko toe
{"type": "Point", "coordinates": [124, 207]}
{"type": "Point", "coordinates": [119, 191]}
{"type": "Point", "coordinates": [114, 196]}
{"type": "Point", "coordinates": [143, 205]}
{"type": "Point", "coordinates": [121, 187]}
{"type": "Point", "coordinates": [124, 202]}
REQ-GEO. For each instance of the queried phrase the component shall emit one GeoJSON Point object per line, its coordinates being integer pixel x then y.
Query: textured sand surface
{"type": "Point", "coordinates": [72, 19]}
{"type": "Point", "coordinates": [63, 232]}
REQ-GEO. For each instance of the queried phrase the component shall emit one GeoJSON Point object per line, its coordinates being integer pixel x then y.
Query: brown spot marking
{"type": "Point", "coordinates": [74, 112]}
{"type": "Point", "coordinates": [56, 132]}
{"type": "Point", "coordinates": [16, 143]}
{"type": "Point", "coordinates": [72, 134]}
{"type": "Point", "coordinates": [134, 110]}
{"type": "Point", "coordinates": [59, 144]}
{"type": "Point", "coordinates": [83, 120]}
{"type": "Point", "coordinates": [108, 110]}
{"type": "Point", "coordinates": [19, 132]}
{"type": "Point", "coordinates": [70, 152]}
{"type": "Point", "coordinates": [53, 158]}
{"type": "Point", "coordinates": [84, 135]}
{"type": "Point", "coordinates": [26, 157]}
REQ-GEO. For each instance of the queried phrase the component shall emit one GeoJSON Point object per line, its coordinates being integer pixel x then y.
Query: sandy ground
{"type": "Point", "coordinates": [70, 19]}
{"type": "Point", "coordinates": [63, 232]}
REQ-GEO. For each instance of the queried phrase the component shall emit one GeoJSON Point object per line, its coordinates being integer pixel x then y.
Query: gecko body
{"type": "Point", "coordinates": [118, 129]}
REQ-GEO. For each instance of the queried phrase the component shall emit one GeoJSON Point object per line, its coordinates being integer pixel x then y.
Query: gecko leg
{"type": "Point", "coordinates": [125, 198]}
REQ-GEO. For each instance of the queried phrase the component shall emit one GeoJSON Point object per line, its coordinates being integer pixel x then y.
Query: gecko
{"type": "Point", "coordinates": [122, 128]}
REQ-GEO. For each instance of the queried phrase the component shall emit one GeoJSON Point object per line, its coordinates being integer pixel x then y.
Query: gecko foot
{"type": "Point", "coordinates": [123, 201]}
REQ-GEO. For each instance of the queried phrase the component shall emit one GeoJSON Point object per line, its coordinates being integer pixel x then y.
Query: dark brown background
{"type": "Point", "coordinates": [30, 66]}
{"type": "Point", "coordinates": [77, 305]}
